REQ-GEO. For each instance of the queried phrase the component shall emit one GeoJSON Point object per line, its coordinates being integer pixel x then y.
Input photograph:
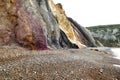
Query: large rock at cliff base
{"type": "Point", "coordinates": [82, 64]}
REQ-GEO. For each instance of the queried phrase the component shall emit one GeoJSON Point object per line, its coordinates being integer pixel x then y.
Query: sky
{"type": "Point", "coordinates": [92, 12]}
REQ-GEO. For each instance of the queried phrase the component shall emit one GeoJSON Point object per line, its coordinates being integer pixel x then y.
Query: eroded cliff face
{"type": "Point", "coordinates": [65, 25]}
{"type": "Point", "coordinates": [38, 24]}
{"type": "Point", "coordinates": [31, 25]}
{"type": "Point", "coordinates": [7, 21]}
{"type": "Point", "coordinates": [53, 31]}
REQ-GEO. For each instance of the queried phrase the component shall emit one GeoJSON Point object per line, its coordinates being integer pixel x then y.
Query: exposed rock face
{"type": "Point", "coordinates": [38, 24]}
{"type": "Point", "coordinates": [84, 33]}
{"type": "Point", "coordinates": [65, 25]}
{"type": "Point", "coordinates": [7, 21]}
{"type": "Point", "coordinates": [53, 31]}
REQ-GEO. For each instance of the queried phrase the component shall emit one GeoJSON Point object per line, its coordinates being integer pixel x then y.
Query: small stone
{"type": "Point", "coordinates": [101, 70]}
{"type": "Point", "coordinates": [72, 72]}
